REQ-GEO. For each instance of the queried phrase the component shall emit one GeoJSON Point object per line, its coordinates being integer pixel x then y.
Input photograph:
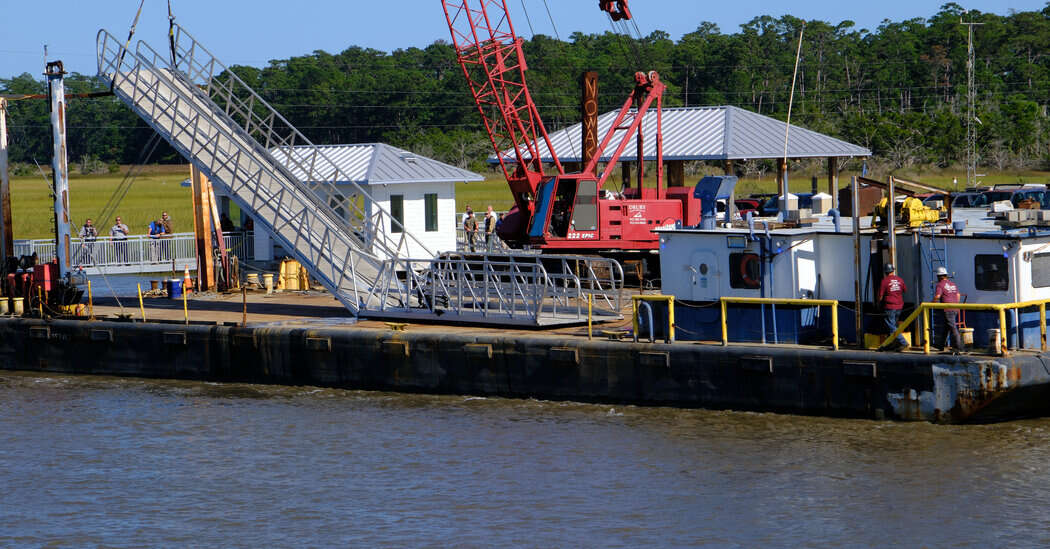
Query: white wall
{"type": "Point", "coordinates": [444, 239]}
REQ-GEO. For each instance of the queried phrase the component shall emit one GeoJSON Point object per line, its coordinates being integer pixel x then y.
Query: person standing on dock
{"type": "Point", "coordinates": [948, 292]}
{"type": "Point", "coordinates": [155, 231]}
{"type": "Point", "coordinates": [490, 226]}
{"type": "Point", "coordinates": [166, 245]}
{"type": "Point", "coordinates": [891, 296]}
{"type": "Point", "coordinates": [470, 226]}
{"type": "Point", "coordinates": [88, 235]}
{"type": "Point", "coordinates": [119, 233]}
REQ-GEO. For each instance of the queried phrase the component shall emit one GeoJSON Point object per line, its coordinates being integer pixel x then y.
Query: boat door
{"type": "Point", "coordinates": [704, 272]}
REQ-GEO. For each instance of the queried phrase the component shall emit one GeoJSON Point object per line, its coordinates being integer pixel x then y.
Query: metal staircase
{"type": "Point", "coordinates": [936, 253]}
{"type": "Point", "coordinates": [268, 167]}
{"type": "Point", "coordinates": [224, 128]}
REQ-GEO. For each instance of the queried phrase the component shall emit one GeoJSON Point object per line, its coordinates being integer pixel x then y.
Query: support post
{"type": "Point", "coordinates": [7, 243]}
{"type": "Point", "coordinates": [202, 228]}
{"type": "Point", "coordinates": [891, 223]}
{"type": "Point", "coordinates": [925, 330]}
{"type": "Point", "coordinates": [725, 328]}
{"type": "Point", "coordinates": [835, 326]}
{"type": "Point", "coordinates": [833, 181]}
{"type": "Point", "coordinates": [1003, 349]}
{"type": "Point", "coordinates": [729, 168]}
{"type": "Point", "coordinates": [859, 304]}
{"type": "Point", "coordinates": [56, 92]}
{"type": "Point", "coordinates": [676, 173]}
{"type": "Point", "coordinates": [1042, 326]}
{"type": "Point", "coordinates": [782, 185]}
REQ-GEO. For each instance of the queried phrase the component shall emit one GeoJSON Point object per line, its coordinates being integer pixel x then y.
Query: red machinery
{"type": "Point", "coordinates": [563, 211]}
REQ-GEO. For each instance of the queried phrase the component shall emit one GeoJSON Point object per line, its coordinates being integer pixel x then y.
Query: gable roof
{"type": "Point", "coordinates": [374, 164]}
{"type": "Point", "coordinates": [705, 133]}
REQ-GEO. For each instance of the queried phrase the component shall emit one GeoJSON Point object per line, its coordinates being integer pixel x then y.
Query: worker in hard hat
{"type": "Point", "coordinates": [948, 292]}
{"type": "Point", "coordinates": [891, 297]}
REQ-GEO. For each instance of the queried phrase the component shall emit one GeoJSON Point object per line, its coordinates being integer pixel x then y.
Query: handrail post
{"type": "Point", "coordinates": [725, 330]}
{"type": "Point", "coordinates": [835, 325]}
{"type": "Point", "coordinates": [634, 318]}
{"type": "Point", "coordinates": [1003, 350]}
{"type": "Point", "coordinates": [1042, 325]}
{"type": "Point", "coordinates": [925, 329]}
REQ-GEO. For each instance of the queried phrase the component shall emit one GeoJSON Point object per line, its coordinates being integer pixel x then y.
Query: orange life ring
{"type": "Point", "coordinates": [745, 276]}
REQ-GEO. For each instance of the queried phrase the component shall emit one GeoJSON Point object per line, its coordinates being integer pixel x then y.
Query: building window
{"type": "Point", "coordinates": [990, 273]}
{"type": "Point", "coordinates": [745, 271]}
{"type": "Point", "coordinates": [1041, 270]}
{"type": "Point", "coordinates": [430, 201]}
{"type": "Point", "coordinates": [397, 212]}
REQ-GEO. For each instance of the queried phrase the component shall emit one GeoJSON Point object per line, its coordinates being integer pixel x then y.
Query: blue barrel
{"type": "Point", "coordinates": [174, 288]}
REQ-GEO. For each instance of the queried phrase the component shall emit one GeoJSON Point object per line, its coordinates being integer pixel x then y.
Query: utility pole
{"type": "Point", "coordinates": [7, 245]}
{"type": "Point", "coordinates": [56, 92]}
{"type": "Point", "coordinates": [971, 109]}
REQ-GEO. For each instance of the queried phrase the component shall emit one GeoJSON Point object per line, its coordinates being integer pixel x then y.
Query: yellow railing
{"type": "Point", "coordinates": [924, 310]}
{"type": "Point", "coordinates": [833, 303]}
{"type": "Point", "coordinates": [669, 299]}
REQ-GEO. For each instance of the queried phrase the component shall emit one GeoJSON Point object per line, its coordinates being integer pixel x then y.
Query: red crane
{"type": "Point", "coordinates": [561, 211]}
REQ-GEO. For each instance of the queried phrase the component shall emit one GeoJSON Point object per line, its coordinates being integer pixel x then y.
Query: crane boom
{"type": "Point", "coordinates": [490, 54]}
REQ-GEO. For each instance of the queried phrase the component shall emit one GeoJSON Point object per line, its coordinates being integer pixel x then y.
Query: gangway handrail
{"type": "Point", "coordinates": [925, 307]}
{"type": "Point", "coordinates": [832, 303]}
{"type": "Point", "coordinates": [267, 125]}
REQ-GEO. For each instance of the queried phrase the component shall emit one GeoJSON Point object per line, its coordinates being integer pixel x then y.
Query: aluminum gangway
{"type": "Point", "coordinates": [218, 123]}
{"type": "Point", "coordinates": [227, 131]}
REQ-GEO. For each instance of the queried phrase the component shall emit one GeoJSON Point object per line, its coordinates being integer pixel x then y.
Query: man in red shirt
{"type": "Point", "coordinates": [891, 296]}
{"type": "Point", "coordinates": [948, 292]}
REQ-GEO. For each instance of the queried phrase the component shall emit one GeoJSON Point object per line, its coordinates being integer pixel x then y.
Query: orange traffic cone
{"type": "Point", "coordinates": [186, 282]}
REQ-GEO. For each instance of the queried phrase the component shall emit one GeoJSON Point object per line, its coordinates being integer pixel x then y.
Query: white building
{"type": "Point", "coordinates": [418, 191]}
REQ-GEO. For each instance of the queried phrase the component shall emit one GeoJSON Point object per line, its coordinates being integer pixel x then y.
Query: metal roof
{"type": "Point", "coordinates": [376, 164]}
{"type": "Point", "coordinates": [706, 133]}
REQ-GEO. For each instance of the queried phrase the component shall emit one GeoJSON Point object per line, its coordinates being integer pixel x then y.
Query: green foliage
{"type": "Point", "coordinates": [898, 89]}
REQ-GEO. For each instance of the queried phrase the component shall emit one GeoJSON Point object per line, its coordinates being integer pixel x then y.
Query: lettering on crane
{"type": "Point", "coordinates": [636, 214]}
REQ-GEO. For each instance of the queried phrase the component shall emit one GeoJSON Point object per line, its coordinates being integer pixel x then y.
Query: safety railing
{"type": "Point", "coordinates": [831, 303]}
{"type": "Point", "coordinates": [136, 250]}
{"type": "Point", "coordinates": [924, 309]}
{"type": "Point", "coordinates": [519, 288]}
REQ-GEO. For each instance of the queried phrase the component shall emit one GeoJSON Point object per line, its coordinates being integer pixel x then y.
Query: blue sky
{"type": "Point", "coordinates": [253, 32]}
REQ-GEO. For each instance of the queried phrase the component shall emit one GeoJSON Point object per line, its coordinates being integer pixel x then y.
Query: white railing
{"type": "Point", "coordinates": [136, 253]}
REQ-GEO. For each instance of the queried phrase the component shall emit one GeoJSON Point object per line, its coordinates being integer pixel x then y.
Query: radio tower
{"type": "Point", "coordinates": [971, 110]}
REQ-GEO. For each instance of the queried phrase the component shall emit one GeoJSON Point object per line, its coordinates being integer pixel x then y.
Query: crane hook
{"type": "Point", "coordinates": [617, 9]}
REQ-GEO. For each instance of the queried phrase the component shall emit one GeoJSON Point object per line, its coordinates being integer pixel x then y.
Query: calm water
{"type": "Point", "coordinates": [115, 462]}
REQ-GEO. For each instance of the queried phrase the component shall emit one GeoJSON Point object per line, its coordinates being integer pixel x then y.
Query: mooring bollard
{"type": "Point", "coordinates": [268, 282]}
{"type": "Point", "coordinates": [18, 305]}
{"type": "Point", "coordinates": [5, 305]}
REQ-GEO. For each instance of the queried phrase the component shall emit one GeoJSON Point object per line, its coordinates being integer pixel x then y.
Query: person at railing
{"type": "Point", "coordinates": [166, 245]}
{"type": "Point", "coordinates": [490, 227]}
{"type": "Point", "coordinates": [948, 292]}
{"type": "Point", "coordinates": [88, 235]}
{"type": "Point", "coordinates": [470, 225]}
{"type": "Point", "coordinates": [156, 229]}
{"type": "Point", "coordinates": [119, 233]}
{"type": "Point", "coordinates": [891, 297]}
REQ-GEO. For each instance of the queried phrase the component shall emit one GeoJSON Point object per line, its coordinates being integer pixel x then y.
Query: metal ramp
{"type": "Point", "coordinates": [356, 249]}
{"type": "Point", "coordinates": [220, 125]}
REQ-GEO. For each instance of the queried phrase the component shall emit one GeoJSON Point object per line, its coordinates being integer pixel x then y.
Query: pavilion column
{"type": "Point", "coordinates": [782, 184]}
{"type": "Point", "coordinates": [625, 170]}
{"type": "Point", "coordinates": [729, 168]}
{"type": "Point", "coordinates": [833, 181]}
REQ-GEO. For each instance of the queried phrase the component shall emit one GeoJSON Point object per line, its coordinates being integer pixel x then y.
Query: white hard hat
{"type": "Point", "coordinates": [941, 271]}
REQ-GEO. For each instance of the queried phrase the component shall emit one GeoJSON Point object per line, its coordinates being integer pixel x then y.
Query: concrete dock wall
{"type": "Point", "coordinates": [784, 379]}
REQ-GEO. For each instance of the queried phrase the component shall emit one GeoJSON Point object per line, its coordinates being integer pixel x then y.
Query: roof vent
{"type": "Point", "coordinates": [408, 157]}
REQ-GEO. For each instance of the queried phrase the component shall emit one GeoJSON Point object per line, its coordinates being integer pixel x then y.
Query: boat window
{"type": "Point", "coordinates": [585, 211]}
{"type": "Point", "coordinates": [990, 273]}
{"type": "Point", "coordinates": [1041, 270]}
{"type": "Point", "coordinates": [745, 271]}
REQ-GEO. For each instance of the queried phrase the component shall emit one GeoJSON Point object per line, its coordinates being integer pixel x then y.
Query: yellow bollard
{"type": "Point", "coordinates": [725, 328]}
{"type": "Point", "coordinates": [185, 307]}
{"type": "Point", "coordinates": [1042, 325]}
{"type": "Point", "coordinates": [91, 303]}
{"type": "Point", "coordinates": [1003, 349]}
{"type": "Point", "coordinates": [925, 330]}
{"type": "Point", "coordinates": [141, 306]}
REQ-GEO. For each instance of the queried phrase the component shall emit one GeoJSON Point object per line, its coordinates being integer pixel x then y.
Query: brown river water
{"type": "Point", "coordinates": [93, 461]}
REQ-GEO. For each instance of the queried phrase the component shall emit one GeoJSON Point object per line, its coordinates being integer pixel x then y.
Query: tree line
{"type": "Point", "coordinates": [899, 90]}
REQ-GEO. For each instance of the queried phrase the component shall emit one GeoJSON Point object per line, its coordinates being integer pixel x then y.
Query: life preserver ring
{"type": "Point", "coordinates": [745, 275]}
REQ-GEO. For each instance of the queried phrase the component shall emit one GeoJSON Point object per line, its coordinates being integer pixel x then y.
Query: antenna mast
{"type": "Point", "coordinates": [971, 109]}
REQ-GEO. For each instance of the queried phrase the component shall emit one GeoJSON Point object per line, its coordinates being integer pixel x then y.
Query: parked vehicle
{"type": "Point", "coordinates": [969, 200]}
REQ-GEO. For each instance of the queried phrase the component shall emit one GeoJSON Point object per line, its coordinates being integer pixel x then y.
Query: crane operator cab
{"type": "Point", "coordinates": [567, 207]}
